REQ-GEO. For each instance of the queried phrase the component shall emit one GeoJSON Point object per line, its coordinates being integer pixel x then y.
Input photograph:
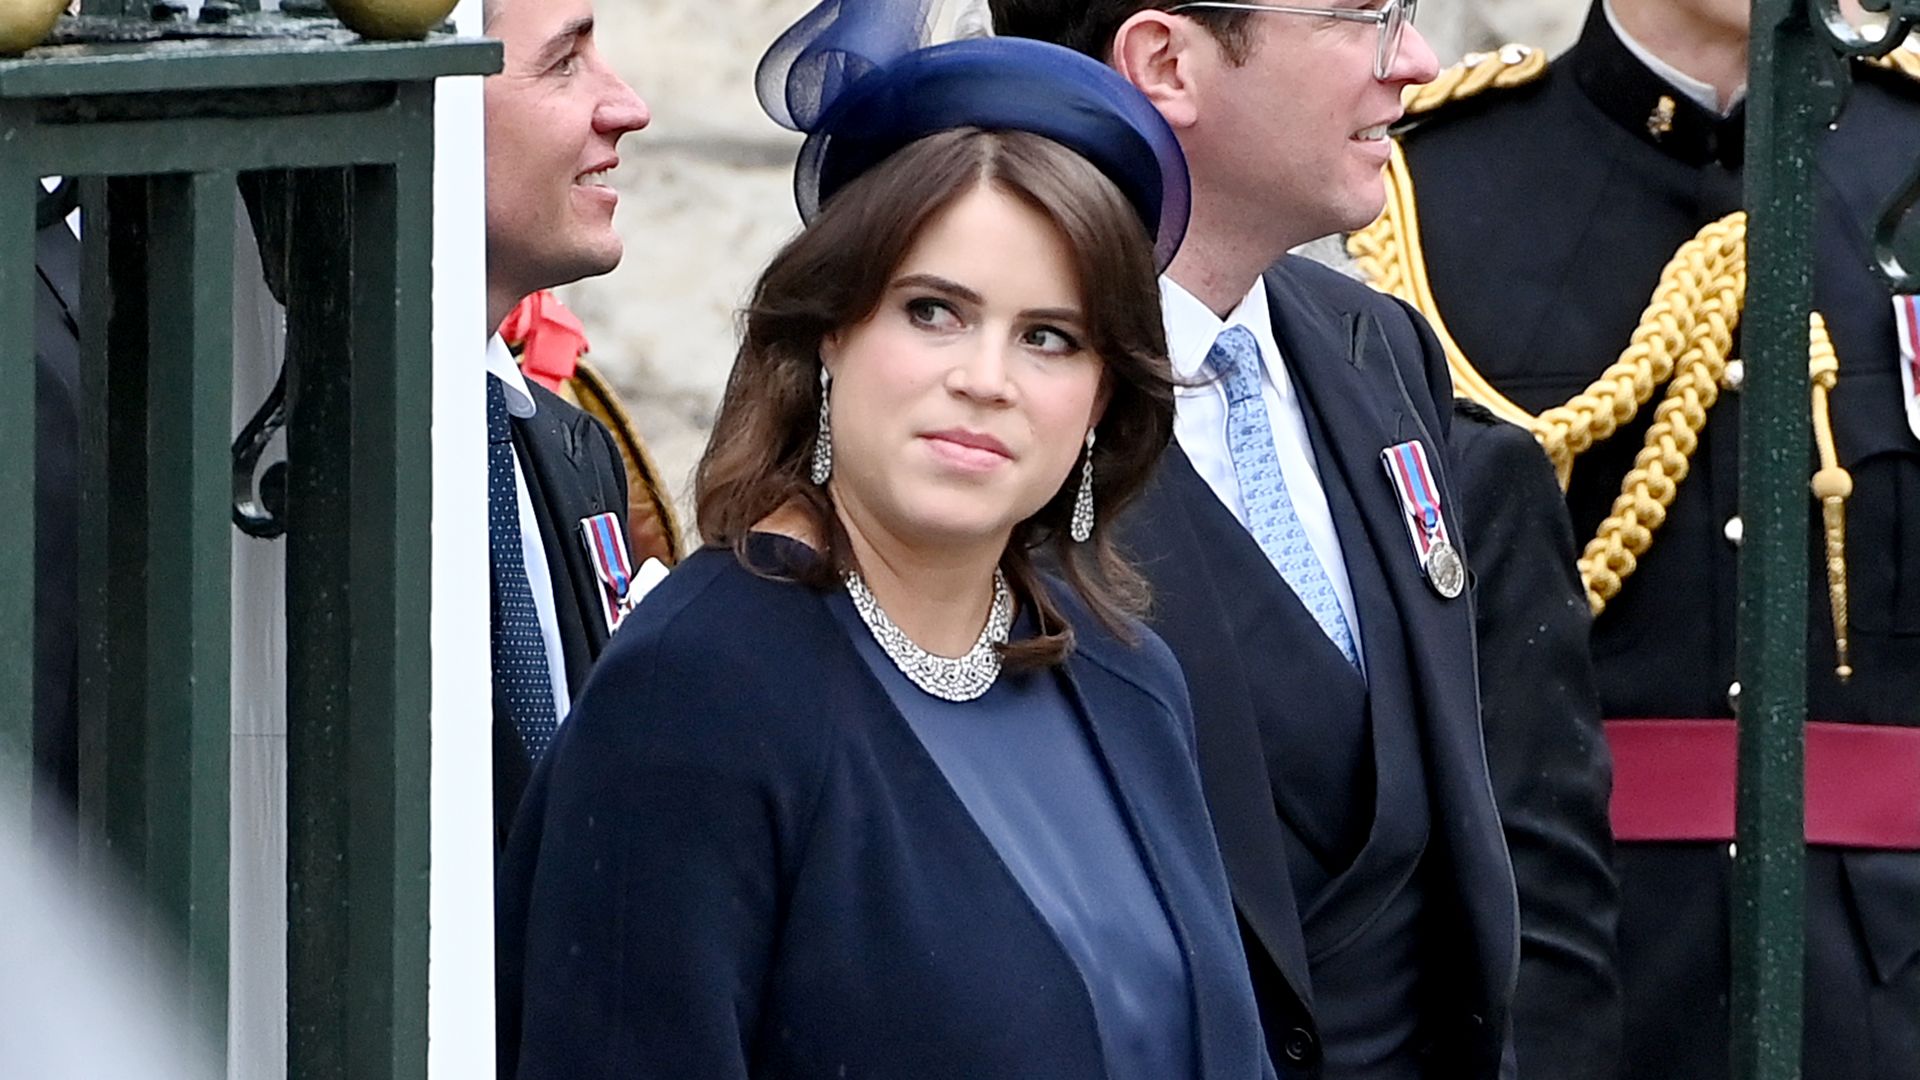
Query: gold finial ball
{"type": "Point", "coordinates": [390, 20]}
{"type": "Point", "coordinates": [26, 23]}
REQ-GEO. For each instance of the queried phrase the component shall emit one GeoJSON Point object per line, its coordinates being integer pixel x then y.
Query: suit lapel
{"type": "Point", "coordinates": [562, 488]}
{"type": "Point", "coordinates": [1357, 405]}
{"type": "Point", "coordinates": [1356, 408]}
{"type": "Point", "coordinates": [1239, 789]}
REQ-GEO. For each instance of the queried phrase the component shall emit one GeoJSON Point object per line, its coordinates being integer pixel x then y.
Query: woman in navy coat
{"type": "Point", "coordinates": [859, 791]}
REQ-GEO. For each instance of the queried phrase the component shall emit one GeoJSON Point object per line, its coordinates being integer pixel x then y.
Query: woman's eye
{"type": "Point", "coordinates": [934, 314]}
{"type": "Point", "coordinates": [1052, 341]}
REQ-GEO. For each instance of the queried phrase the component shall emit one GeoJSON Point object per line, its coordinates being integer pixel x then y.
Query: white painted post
{"type": "Point", "coordinates": [460, 950]}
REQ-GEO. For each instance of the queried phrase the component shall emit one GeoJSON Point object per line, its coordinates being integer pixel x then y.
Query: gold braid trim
{"type": "Point", "coordinates": [1831, 485]}
{"type": "Point", "coordinates": [1650, 485]}
{"type": "Point", "coordinates": [1507, 67]}
{"type": "Point", "coordinates": [1389, 253]}
{"type": "Point", "coordinates": [1687, 328]}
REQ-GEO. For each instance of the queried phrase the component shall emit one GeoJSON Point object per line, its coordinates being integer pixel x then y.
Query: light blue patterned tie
{"type": "Point", "coordinates": [1271, 518]}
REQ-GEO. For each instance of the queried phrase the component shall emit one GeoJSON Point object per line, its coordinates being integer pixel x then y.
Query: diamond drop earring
{"type": "Point", "coordinates": [823, 442]}
{"type": "Point", "coordinates": [1081, 527]}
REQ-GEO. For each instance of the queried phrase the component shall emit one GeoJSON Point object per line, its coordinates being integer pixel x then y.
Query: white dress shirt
{"type": "Point", "coordinates": [520, 404]}
{"type": "Point", "coordinates": [1200, 422]}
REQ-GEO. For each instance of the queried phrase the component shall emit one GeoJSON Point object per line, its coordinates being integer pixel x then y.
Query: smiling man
{"type": "Point", "coordinates": [557, 491]}
{"type": "Point", "coordinates": [1301, 541]}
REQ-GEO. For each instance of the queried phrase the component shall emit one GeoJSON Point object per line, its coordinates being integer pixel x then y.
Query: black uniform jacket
{"type": "Point", "coordinates": [739, 861]}
{"type": "Point", "coordinates": [56, 378]}
{"type": "Point", "coordinates": [1370, 375]}
{"type": "Point", "coordinates": [1547, 213]}
{"type": "Point", "coordinates": [1551, 770]}
{"type": "Point", "coordinates": [572, 471]}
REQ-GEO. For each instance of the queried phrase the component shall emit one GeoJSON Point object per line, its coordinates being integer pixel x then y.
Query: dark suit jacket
{"type": "Point", "coordinates": [572, 471]}
{"type": "Point", "coordinates": [738, 860]}
{"type": "Point", "coordinates": [1552, 774]}
{"type": "Point", "coordinates": [1370, 375]}
{"type": "Point", "coordinates": [56, 377]}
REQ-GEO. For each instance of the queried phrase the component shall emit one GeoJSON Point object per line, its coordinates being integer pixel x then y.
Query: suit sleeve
{"type": "Point", "coordinates": [641, 891]}
{"type": "Point", "coordinates": [1551, 771]}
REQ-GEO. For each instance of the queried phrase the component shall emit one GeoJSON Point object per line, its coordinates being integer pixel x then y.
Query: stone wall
{"type": "Point", "coordinates": [706, 195]}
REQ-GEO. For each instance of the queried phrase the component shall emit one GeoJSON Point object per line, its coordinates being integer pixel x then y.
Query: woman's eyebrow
{"type": "Point", "coordinates": [939, 284]}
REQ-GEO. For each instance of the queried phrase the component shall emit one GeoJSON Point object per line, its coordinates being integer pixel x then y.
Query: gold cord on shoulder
{"type": "Point", "coordinates": [1683, 340]}
{"type": "Point", "coordinates": [1504, 68]}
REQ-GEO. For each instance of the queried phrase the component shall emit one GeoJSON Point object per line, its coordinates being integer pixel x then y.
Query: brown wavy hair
{"type": "Point", "coordinates": [834, 275]}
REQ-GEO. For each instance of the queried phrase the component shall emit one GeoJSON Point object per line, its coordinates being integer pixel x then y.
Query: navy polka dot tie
{"type": "Point", "coordinates": [519, 651]}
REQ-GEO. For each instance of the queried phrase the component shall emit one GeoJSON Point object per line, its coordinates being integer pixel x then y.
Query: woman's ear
{"type": "Point", "coordinates": [829, 351]}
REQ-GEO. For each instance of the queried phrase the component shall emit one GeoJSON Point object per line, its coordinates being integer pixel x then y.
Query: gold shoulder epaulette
{"type": "Point", "coordinates": [1504, 68]}
{"type": "Point", "coordinates": [1905, 59]}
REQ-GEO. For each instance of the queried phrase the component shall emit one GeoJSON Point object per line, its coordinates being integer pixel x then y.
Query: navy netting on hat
{"type": "Point", "coordinates": [852, 75]}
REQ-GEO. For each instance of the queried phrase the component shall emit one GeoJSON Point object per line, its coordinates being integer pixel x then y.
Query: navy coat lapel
{"type": "Point", "coordinates": [1162, 537]}
{"type": "Point", "coordinates": [1112, 705]}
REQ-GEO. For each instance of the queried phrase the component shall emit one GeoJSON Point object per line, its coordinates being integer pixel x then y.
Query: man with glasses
{"type": "Point", "coordinates": [1548, 206]}
{"type": "Point", "coordinates": [1301, 541]}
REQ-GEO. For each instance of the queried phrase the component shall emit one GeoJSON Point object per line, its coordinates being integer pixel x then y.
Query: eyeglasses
{"type": "Point", "coordinates": [1392, 18]}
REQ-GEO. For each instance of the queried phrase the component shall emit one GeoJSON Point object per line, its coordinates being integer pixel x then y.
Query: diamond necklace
{"type": "Point", "coordinates": [955, 678]}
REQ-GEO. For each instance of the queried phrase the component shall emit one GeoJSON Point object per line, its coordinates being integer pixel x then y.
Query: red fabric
{"type": "Point", "coordinates": [549, 337]}
{"type": "Point", "coordinates": [1674, 780]}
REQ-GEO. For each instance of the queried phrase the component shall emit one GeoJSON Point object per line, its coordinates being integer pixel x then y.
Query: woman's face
{"type": "Point", "coordinates": [961, 404]}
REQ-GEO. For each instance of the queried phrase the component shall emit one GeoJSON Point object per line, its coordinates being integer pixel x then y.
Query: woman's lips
{"type": "Point", "coordinates": [968, 449]}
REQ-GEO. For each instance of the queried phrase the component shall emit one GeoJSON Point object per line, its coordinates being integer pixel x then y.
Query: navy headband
{"type": "Point", "coordinates": [849, 74]}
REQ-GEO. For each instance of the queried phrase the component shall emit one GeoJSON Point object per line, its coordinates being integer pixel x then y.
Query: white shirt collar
{"type": "Point", "coordinates": [501, 365]}
{"type": "Point", "coordinates": [1192, 327]}
{"type": "Point", "coordinates": [1700, 93]}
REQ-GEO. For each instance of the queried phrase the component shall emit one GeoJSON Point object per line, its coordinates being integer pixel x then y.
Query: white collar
{"type": "Point", "coordinates": [1192, 327]}
{"type": "Point", "coordinates": [1700, 93]}
{"type": "Point", "coordinates": [501, 365]}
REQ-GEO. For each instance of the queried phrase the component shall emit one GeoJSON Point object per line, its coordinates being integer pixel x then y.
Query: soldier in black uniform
{"type": "Point", "coordinates": [1532, 217]}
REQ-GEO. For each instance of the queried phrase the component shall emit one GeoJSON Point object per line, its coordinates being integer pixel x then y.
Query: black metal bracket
{"type": "Point", "coordinates": [1896, 238]}
{"type": "Point", "coordinates": [260, 509]}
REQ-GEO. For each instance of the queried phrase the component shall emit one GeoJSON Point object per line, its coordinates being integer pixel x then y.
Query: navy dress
{"type": "Point", "coordinates": [1019, 759]}
{"type": "Point", "coordinates": [742, 860]}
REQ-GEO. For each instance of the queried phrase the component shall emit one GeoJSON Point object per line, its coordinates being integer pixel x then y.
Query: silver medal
{"type": "Point", "coordinates": [1445, 571]}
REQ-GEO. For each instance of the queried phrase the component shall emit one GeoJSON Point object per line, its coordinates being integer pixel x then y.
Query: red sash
{"type": "Point", "coordinates": [1674, 780]}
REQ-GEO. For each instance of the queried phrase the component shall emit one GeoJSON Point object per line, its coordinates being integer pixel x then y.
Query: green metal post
{"type": "Point", "coordinates": [319, 601]}
{"type": "Point", "coordinates": [188, 645]}
{"type": "Point", "coordinates": [1784, 109]}
{"type": "Point", "coordinates": [18, 192]}
{"type": "Point", "coordinates": [114, 364]}
{"type": "Point", "coordinates": [360, 496]}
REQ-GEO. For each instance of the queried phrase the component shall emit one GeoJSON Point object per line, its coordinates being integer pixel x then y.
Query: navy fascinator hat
{"type": "Point", "coordinates": [855, 77]}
